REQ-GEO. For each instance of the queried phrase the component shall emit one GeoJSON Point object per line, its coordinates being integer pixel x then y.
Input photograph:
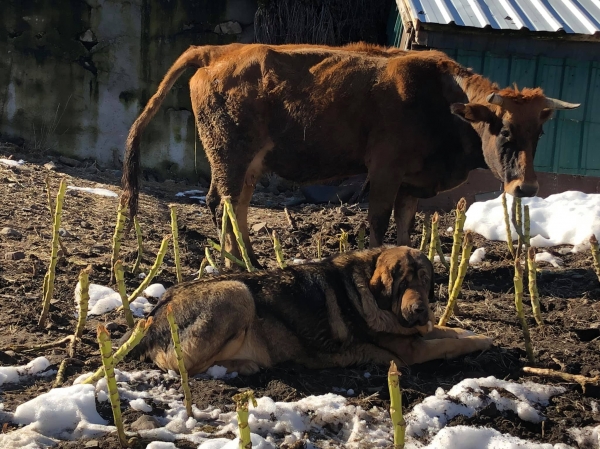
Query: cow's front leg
{"type": "Point", "coordinates": [405, 208]}
{"type": "Point", "coordinates": [381, 202]}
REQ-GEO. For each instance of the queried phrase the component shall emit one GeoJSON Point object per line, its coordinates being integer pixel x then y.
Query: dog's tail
{"type": "Point", "coordinates": [193, 57]}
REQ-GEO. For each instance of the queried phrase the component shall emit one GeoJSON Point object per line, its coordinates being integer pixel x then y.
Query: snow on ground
{"type": "Point", "coordinates": [11, 163]}
{"type": "Point", "coordinates": [199, 195]}
{"type": "Point", "coordinates": [13, 374]}
{"type": "Point", "coordinates": [476, 258]}
{"type": "Point", "coordinates": [545, 256]}
{"type": "Point", "coordinates": [70, 413]}
{"type": "Point", "coordinates": [567, 218]}
{"type": "Point", "coordinates": [104, 299]}
{"type": "Point", "coordinates": [94, 190]}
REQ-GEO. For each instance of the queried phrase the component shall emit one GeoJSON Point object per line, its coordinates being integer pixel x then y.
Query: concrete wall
{"type": "Point", "coordinates": [75, 73]}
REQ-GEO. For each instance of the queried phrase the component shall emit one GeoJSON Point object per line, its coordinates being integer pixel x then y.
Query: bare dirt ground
{"type": "Point", "coordinates": [570, 298]}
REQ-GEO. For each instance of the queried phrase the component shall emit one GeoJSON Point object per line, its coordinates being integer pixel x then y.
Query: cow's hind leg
{"type": "Point", "coordinates": [384, 186]}
{"type": "Point", "coordinates": [405, 208]}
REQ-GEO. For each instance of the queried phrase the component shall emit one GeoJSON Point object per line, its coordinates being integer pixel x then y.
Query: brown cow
{"type": "Point", "coordinates": [416, 122]}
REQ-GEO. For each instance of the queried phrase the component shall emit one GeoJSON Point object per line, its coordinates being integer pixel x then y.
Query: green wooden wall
{"type": "Point", "coordinates": [571, 143]}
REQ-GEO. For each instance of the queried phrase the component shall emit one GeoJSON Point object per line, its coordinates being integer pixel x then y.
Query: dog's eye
{"type": "Point", "coordinates": [403, 285]}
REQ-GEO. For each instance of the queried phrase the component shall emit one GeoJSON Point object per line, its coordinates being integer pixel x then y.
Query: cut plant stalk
{"type": "Point", "coordinates": [319, 245]}
{"type": "Point", "coordinates": [433, 237]}
{"type": "Point", "coordinates": [117, 237]}
{"type": "Point", "coordinates": [526, 228]}
{"type": "Point", "coordinates": [462, 271]}
{"type": "Point", "coordinates": [223, 235]}
{"type": "Point", "coordinates": [344, 245]}
{"type": "Point", "coordinates": [175, 233]}
{"type": "Point", "coordinates": [519, 222]}
{"type": "Point", "coordinates": [457, 240]}
{"type": "Point", "coordinates": [109, 371]}
{"type": "Point", "coordinates": [425, 234]}
{"type": "Point", "coordinates": [139, 331]}
{"type": "Point", "coordinates": [140, 243]}
{"type": "Point", "coordinates": [595, 254]}
{"type": "Point", "coordinates": [226, 254]}
{"type": "Point", "coordinates": [533, 290]}
{"type": "Point", "coordinates": [209, 258]}
{"type": "Point", "coordinates": [398, 423]}
{"type": "Point", "coordinates": [435, 244]}
{"type": "Point", "coordinates": [518, 281]}
{"type": "Point", "coordinates": [159, 258]}
{"type": "Point", "coordinates": [84, 299]}
{"type": "Point", "coordinates": [278, 251]}
{"type": "Point", "coordinates": [361, 237]}
{"type": "Point", "coordinates": [203, 265]}
{"type": "Point", "coordinates": [49, 279]}
{"type": "Point", "coordinates": [242, 401]}
{"type": "Point", "coordinates": [180, 362]}
{"type": "Point", "coordinates": [51, 209]}
{"type": "Point", "coordinates": [238, 234]}
{"type": "Point", "coordinates": [120, 277]}
{"type": "Point", "coordinates": [509, 240]}
{"type": "Point", "coordinates": [35, 348]}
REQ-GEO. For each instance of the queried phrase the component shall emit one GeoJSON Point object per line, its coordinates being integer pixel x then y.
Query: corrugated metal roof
{"type": "Point", "coordinates": [571, 16]}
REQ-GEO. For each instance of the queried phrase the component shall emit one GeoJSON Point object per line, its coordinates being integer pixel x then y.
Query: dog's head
{"type": "Point", "coordinates": [403, 284]}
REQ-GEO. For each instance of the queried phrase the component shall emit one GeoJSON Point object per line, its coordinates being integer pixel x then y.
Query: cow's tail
{"type": "Point", "coordinates": [192, 57]}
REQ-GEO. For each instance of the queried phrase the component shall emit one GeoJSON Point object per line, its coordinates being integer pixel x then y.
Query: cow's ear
{"type": "Point", "coordinates": [472, 112]}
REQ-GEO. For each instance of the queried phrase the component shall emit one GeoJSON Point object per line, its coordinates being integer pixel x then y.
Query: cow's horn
{"type": "Point", "coordinates": [494, 98]}
{"type": "Point", "coordinates": [553, 103]}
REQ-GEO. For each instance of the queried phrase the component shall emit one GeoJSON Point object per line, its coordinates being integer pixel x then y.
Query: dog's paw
{"type": "Point", "coordinates": [483, 342]}
{"type": "Point", "coordinates": [463, 333]}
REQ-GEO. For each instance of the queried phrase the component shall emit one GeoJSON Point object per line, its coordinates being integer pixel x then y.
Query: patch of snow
{"type": "Point", "coordinates": [468, 396]}
{"type": "Point", "coordinates": [450, 229]}
{"type": "Point", "coordinates": [216, 371]}
{"type": "Point", "coordinates": [588, 437]}
{"type": "Point", "coordinates": [209, 269]}
{"type": "Point", "coordinates": [464, 437]}
{"type": "Point", "coordinates": [142, 276]}
{"type": "Point", "coordinates": [160, 445]}
{"type": "Point", "coordinates": [477, 256]}
{"type": "Point", "coordinates": [155, 290]}
{"type": "Point", "coordinates": [258, 442]}
{"type": "Point", "coordinates": [69, 413]}
{"type": "Point", "coordinates": [104, 299]}
{"type": "Point", "coordinates": [140, 404]}
{"type": "Point", "coordinates": [567, 218]}
{"type": "Point", "coordinates": [95, 191]}
{"type": "Point", "coordinates": [437, 259]}
{"type": "Point", "coordinates": [367, 375]}
{"type": "Point", "coordinates": [190, 192]}
{"type": "Point", "coordinates": [12, 163]}
{"type": "Point", "coordinates": [545, 256]}
{"type": "Point", "coordinates": [13, 374]}
{"type": "Point", "coordinates": [66, 413]}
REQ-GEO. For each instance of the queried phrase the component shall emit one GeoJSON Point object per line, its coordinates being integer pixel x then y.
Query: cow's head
{"type": "Point", "coordinates": [510, 125]}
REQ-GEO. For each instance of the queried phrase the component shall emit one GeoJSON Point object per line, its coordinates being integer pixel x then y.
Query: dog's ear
{"type": "Point", "coordinates": [382, 281]}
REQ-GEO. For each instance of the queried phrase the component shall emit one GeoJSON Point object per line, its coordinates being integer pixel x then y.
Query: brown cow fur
{"type": "Point", "coordinates": [416, 122]}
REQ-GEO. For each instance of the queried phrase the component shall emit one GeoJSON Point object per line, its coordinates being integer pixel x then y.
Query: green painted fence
{"type": "Point", "coordinates": [571, 143]}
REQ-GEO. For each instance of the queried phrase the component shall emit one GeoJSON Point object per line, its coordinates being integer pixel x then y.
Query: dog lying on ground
{"type": "Point", "coordinates": [353, 308]}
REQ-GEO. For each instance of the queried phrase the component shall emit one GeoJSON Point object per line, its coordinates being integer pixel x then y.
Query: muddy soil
{"type": "Point", "coordinates": [570, 296]}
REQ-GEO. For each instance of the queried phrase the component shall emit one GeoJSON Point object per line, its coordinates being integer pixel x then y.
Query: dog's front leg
{"type": "Point", "coordinates": [446, 332]}
{"type": "Point", "coordinates": [420, 350]}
